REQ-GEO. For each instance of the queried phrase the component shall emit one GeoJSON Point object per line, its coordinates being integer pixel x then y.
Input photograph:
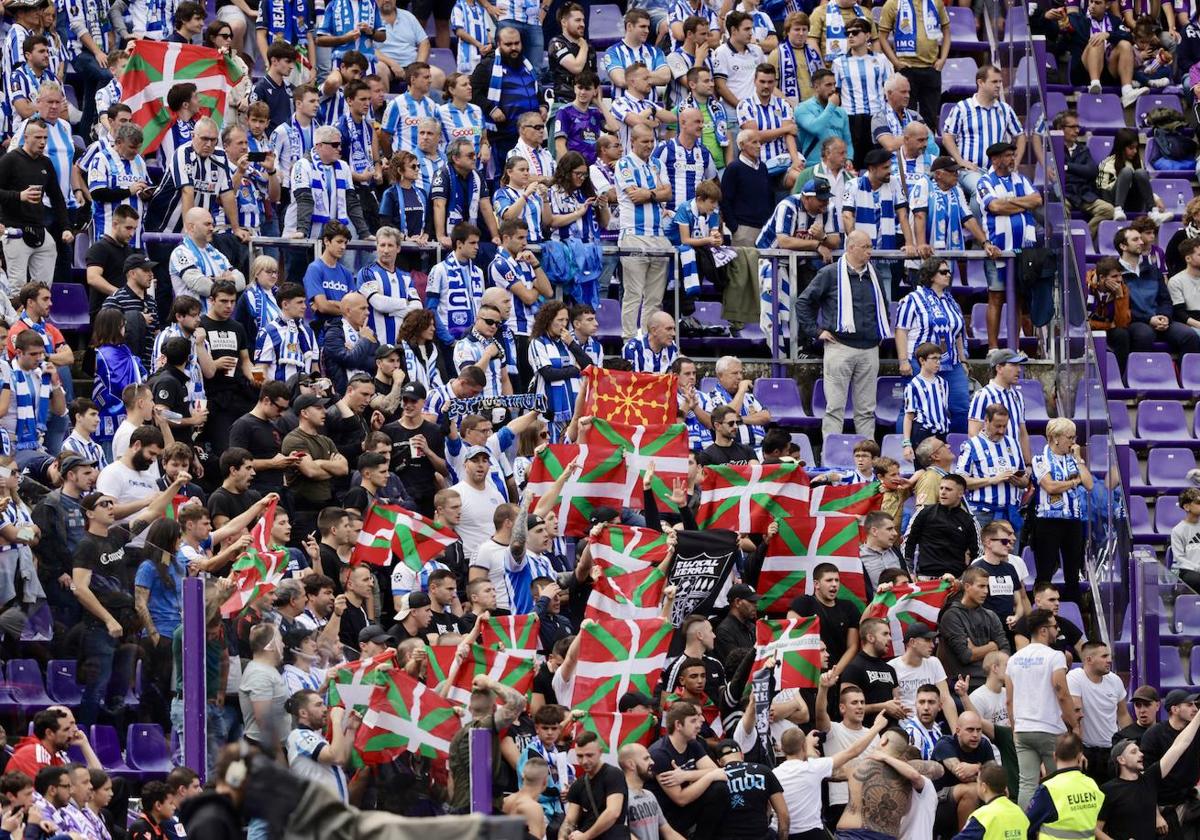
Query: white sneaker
{"type": "Point", "coordinates": [1118, 214]}
{"type": "Point", "coordinates": [1094, 87]}
{"type": "Point", "coordinates": [1129, 95]}
{"type": "Point", "coordinates": [1160, 216]}
{"type": "Point", "coordinates": [1159, 83]}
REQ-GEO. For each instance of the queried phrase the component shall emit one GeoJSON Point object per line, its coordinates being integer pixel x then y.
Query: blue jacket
{"type": "Point", "coordinates": [815, 122]}
{"type": "Point", "coordinates": [1148, 293]}
{"type": "Point", "coordinates": [337, 361]}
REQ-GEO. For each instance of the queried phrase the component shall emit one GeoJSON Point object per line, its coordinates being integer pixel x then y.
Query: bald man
{"type": "Point", "coordinates": [963, 754]}
{"type": "Point", "coordinates": [646, 820]}
{"type": "Point", "coordinates": [685, 158]}
{"type": "Point", "coordinates": [196, 264]}
{"type": "Point", "coordinates": [643, 189]}
{"type": "Point", "coordinates": [851, 339]}
{"type": "Point", "coordinates": [350, 345]}
{"type": "Point", "coordinates": [656, 350]}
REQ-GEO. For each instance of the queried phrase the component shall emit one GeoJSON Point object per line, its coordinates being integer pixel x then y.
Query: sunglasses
{"type": "Point", "coordinates": [944, 271]}
{"type": "Point", "coordinates": [105, 503]}
{"type": "Point", "coordinates": [1004, 541]}
{"type": "Point", "coordinates": [337, 144]}
{"type": "Point", "coordinates": [491, 322]}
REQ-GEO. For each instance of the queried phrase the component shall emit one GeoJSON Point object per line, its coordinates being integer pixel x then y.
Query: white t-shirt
{"type": "Point", "coordinates": [838, 739]}
{"type": "Point", "coordinates": [120, 440]}
{"type": "Point", "coordinates": [737, 69]}
{"type": "Point", "coordinates": [991, 705]}
{"type": "Point", "coordinates": [1099, 702]}
{"type": "Point", "coordinates": [1035, 706]}
{"type": "Point", "coordinates": [490, 555]}
{"type": "Point", "coordinates": [128, 485]}
{"type": "Point", "coordinates": [801, 781]}
{"type": "Point", "coordinates": [929, 672]}
{"type": "Point", "coordinates": [478, 508]}
{"type": "Point", "coordinates": [922, 811]}
{"type": "Point", "coordinates": [782, 724]}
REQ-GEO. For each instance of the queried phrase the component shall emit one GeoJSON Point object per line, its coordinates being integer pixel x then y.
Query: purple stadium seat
{"type": "Point", "coordinates": [955, 440]}
{"type": "Point", "coordinates": [1162, 421]}
{"type": "Point", "coordinates": [608, 320]}
{"type": "Point", "coordinates": [70, 307]}
{"type": "Point", "coordinates": [838, 451]}
{"type": "Point", "coordinates": [1137, 478]}
{"type": "Point", "coordinates": [1025, 77]}
{"type": "Point", "coordinates": [708, 383]}
{"type": "Point", "coordinates": [1037, 443]}
{"type": "Point", "coordinates": [1104, 237]}
{"type": "Point", "coordinates": [1175, 194]}
{"type": "Point", "coordinates": [806, 451]}
{"type": "Point", "coordinates": [1167, 467]}
{"type": "Point", "coordinates": [1114, 380]}
{"type": "Point", "coordinates": [947, 107]}
{"type": "Point", "coordinates": [39, 625]}
{"type": "Point", "coordinates": [1100, 147]}
{"type": "Point", "coordinates": [889, 400]}
{"type": "Point", "coordinates": [7, 703]}
{"type": "Point", "coordinates": [1097, 454]}
{"type": "Point", "coordinates": [1152, 373]}
{"type": "Point", "coordinates": [61, 683]}
{"type": "Point", "coordinates": [1035, 403]}
{"type": "Point", "coordinates": [892, 448]}
{"type": "Point", "coordinates": [147, 750]}
{"type": "Point", "coordinates": [1147, 102]}
{"type": "Point", "coordinates": [26, 684]}
{"type": "Point", "coordinates": [1090, 402]}
{"type": "Point", "coordinates": [1101, 112]}
{"type": "Point", "coordinates": [1170, 668]}
{"type": "Point", "coordinates": [782, 398]}
{"type": "Point", "coordinates": [1070, 611]}
{"type": "Point", "coordinates": [605, 26]}
{"type": "Point", "coordinates": [1167, 229]}
{"type": "Point", "coordinates": [1189, 371]}
{"type": "Point", "coordinates": [963, 37]}
{"type": "Point", "coordinates": [444, 59]}
{"type": "Point", "coordinates": [958, 76]}
{"type": "Point", "coordinates": [1167, 514]}
{"type": "Point", "coordinates": [1187, 619]}
{"type": "Point", "coordinates": [108, 749]}
{"type": "Point", "coordinates": [1017, 24]}
{"type": "Point", "coordinates": [1122, 429]}
{"type": "Point", "coordinates": [1139, 521]}
{"type": "Point", "coordinates": [974, 278]}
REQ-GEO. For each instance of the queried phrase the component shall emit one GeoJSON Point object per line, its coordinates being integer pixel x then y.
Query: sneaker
{"type": "Point", "coordinates": [1159, 83]}
{"type": "Point", "coordinates": [1118, 214]}
{"type": "Point", "coordinates": [1094, 87]}
{"type": "Point", "coordinates": [1129, 95]}
{"type": "Point", "coordinates": [1160, 216]}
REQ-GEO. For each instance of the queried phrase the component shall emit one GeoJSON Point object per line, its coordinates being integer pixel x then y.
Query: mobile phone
{"type": "Point", "coordinates": [256, 157]}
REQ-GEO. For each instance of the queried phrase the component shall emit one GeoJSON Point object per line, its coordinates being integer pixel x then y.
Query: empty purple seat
{"type": "Point", "coordinates": [838, 451]}
{"type": "Point", "coordinates": [61, 682]}
{"type": "Point", "coordinates": [1070, 611]}
{"type": "Point", "coordinates": [1167, 514]}
{"type": "Point", "coordinates": [958, 76]}
{"type": "Point", "coordinates": [1100, 146]}
{"type": "Point", "coordinates": [1154, 373]}
{"type": "Point", "coordinates": [708, 383]}
{"type": "Point", "coordinates": [39, 626]}
{"type": "Point", "coordinates": [819, 405]}
{"type": "Point", "coordinates": [1170, 668]}
{"type": "Point", "coordinates": [1187, 619]}
{"type": "Point", "coordinates": [1090, 402]}
{"type": "Point", "coordinates": [1162, 421]}
{"type": "Point", "coordinates": [974, 277]}
{"type": "Point", "coordinates": [955, 440]}
{"type": "Point", "coordinates": [963, 37]}
{"type": "Point", "coordinates": [1104, 237]}
{"type": "Point", "coordinates": [782, 398]}
{"type": "Point", "coordinates": [605, 26]}
{"type": "Point", "coordinates": [25, 682]}
{"type": "Point", "coordinates": [608, 320]}
{"type": "Point", "coordinates": [806, 451]}
{"type": "Point", "coordinates": [1139, 520]}
{"type": "Point", "coordinates": [1118, 414]}
{"type": "Point", "coordinates": [1167, 467]}
{"type": "Point", "coordinates": [1100, 112]}
{"type": "Point", "coordinates": [1036, 416]}
{"type": "Point", "coordinates": [70, 307]}
{"type": "Point", "coordinates": [1168, 229]}
{"type": "Point", "coordinates": [1016, 24]}
{"type": "Point", "coordinates": [1147, 102]}
{"type": "Point", "coordinates": [107, 747]}
{"type": "Point", "coordinates": [1189, 371]}
{"type": "Point", "coordinates": [1174, 192]}
{"type": "Point", "coordinates": [147, 750]}
{"type": "Point", "coordinates": [889, 400]}
{"type": "Point", "coordinates": [1097, 455]}
{"type": "Point", "coordinates": [444, 59]}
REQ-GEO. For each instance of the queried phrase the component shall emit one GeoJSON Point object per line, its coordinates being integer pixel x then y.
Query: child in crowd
{"type": "Point", "coordinates": [579, 123]}
{"type": "Point", "coordinates": [926, 400]}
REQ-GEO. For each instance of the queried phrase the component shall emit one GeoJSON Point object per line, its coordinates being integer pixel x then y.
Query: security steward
{"type": "Point", "coordinates": [998, 818]}
{"type": "Point", "coordinates": [1066, 805]}
{"type": "Point", "coordinates": [170, 388]}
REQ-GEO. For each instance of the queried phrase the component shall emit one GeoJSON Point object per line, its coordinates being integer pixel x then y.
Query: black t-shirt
{"type": "Point", "coordinates": [1003, 582]}
{"type": "Point", "coordinates": [224, 503]}
{"type": "Point", "coordinates": [444, 622]}
{"type": "Point", "coordinates": [357, 498]}
{"type": "Point", "coordinates": [735, 453]}
{"type": "Point", "coordinates": [332, 566]}
{"type": "Point", "coordinates": [112, 567]}
{"type": "Point", "coordinates": [1133, 731]}
{"type": "Point", "coordinates": [562, 78]}
{"type": "Point", "coordinates": [347, 433]}
{"type": "Point", "coordinates": [1068, 634]}
{"type": "Point", "coordinates": [400, 633]}
{"type": "Point", "coordinates": [110, 257]}
{"type": "Point", "coordinates": [543, 684]}
{"type": "Point", "coordinates": [874, 676]}
{"type": "Point", "coordinates": [835, 621]}
{"type": "Point", "coordinates": [750, 789]}
{"type": "Point", "coordinates": [1177, 785]}
{"type": "Point", "coordinates": [608, 780]}
{"type": "Point", "coordinates": [417, 473]}
{"type": "Point", "coordinates": [262, 440]}
{"type": "Point", "coordinates": [665, 757]}
{"type": "Point", "coordinates": [948, 746]}
{"type": "Point", "coordinates": [1124, 811]}
{"type": "Point", "coordinates": [169, 388]}
{"type": "Point", "coordinates": [225, 338]}
{"type": "Point", "coordinates": [354, 619]}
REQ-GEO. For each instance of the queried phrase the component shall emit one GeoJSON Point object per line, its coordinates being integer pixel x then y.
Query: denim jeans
{"type": "Point", "coordinates": [533, 45]}
{"type": "Point", "coordinates": [92, 77]}
{"type": "Point", "coordinates": [105, 672]}
{"type": "Point", "coordinates": [216, 731]}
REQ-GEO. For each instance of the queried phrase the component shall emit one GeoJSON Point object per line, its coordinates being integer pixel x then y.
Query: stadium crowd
{"type": "Point", "coordinates": [259, 408]}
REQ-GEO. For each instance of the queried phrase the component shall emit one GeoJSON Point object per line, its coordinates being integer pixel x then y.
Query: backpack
{"type": "Point", "coordinates": [1172, 136]}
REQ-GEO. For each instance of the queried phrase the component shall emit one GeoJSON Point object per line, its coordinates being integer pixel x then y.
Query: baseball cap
{"type": "Point", "coordinates": [90, 501]}
{"type": "Point", "coordinates": [385, 350]}
{"type": "Point", "coordinates": [604, 514]}
{"type": "Point", "coordinates": [1004, 356]}
{"type": "Point", "coordinates": [375, 633]}
{"type": "Point", "coordinates": [1147, 694]}
{"type": "Point", "coordinates": [877, 157]}
{"type": "Point", "coordinates": [727, 747]}
{"type": "Point", "coordinates": [413, 391]}
{"type": "Point", "coordinates": [997, 149]}
{"type": "Point", "coordinates": [818, 188]}
{"type": "Point", "coordinates": [743, 591]}
{"type": "Point", "coordinates": [306, 401]}
{"type": "Point", "coordinates": [1119, 748]}
{"type": "Point", "coordinates": [633, 699]}
{"type": "Point", "coordinates": [410, 602]}
{"type": "Point", "coordinates": [475, 452]}
{"type": "Point", "coordinates": [138, 261]}
{"type": "Point", "coordinates": [72, 462]}
{"type": "Point", "coordinates": [1176, 696]}
{"type": "Point", "coordinates": [532, 521]}
{"type": "Point", "coordinates": [919, 631]}
{"type": "Point", "coordinates": [944, 163]}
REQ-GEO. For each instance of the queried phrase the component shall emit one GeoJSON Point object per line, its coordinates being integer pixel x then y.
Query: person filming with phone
{"type": "Point", "coordinates": [31, 206]}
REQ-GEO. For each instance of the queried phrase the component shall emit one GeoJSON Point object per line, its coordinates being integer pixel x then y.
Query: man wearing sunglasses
{"type": "Point", "coordinates": [726, 448]}
{"type": "Point", "coordinates": [1006, 573]}
{"type": "Point", "coordinates": [323, 190]}
{"type": "Point", "coordinates": [483, 347]}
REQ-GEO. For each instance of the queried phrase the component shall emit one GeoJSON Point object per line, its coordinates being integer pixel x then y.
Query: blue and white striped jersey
{"type": "Point", "coordinates": [357, 139]}
{"type": "Point", "coordinates": [640, 219]}
{"type": "Point", "coordinates": [929, 316]}
{"type": "Point", "coordinates": [108, 170]}
{"type": "Point", "coordinates": [945, 212]}
{"type": "Point", "coordinates": [586, 228]}
{"type": "Point", "coordinates": [1010, 398]}
{"type": "Point", "coordinates": [751, 435]}
{"type": "Point", "coordinates": [522, 11]}
{"type": "Point", "coordinates": [776, 113]}
{"type": "Point", "coordinates": [685, 168]}
{"type": "Point", "coordinates": [469, 15]}
{"type": "Point", "coordinates": [1067, 505]}
{"type": "Point", "coordinates": [291, 141]}
{"type": "Point", "coordinates": [195, 376]}
{"type": "Point", "coordinates": [1006, 232]}
{"type": "Point", "coordinates": [286, 347]}
{"type": "Point", "coordinates": [532, 215]}
{"type": "Point", "coordinates": [645, 359]}
{"type": "Point", "coordinates": [188, 257]}
{"type": "Point", "coordinates": [342, 17]}
{"type": "Point", "coordinates": [929, 401]}
{"type": "Point", "coordinates": [210, 177]}
{"type": "Point", "coordinates": [875, 210]}
{"type": "Point", "coordinates": [24, 83]}
{"type": "Point", "coordinates": [790, 219]}
{"type": "Point", "coordinates": [391, 295]}
{"type": "Point", "coordinates": [620, 55]}
{"type": "Point", "coordinates": [975, 127]}
{"type": "Point", "coordinates": [402, 119]}
{"type": "Point", "coordinates": [461, 122]}
{"type": "Point", "coordinates": [982, 457]}
{"type": "Point", "coordinates": [699, 435]}
{"type": "Point", "coordinates": [88, 449]}
{"type": "Point", "coordinates": [860, 80]}
{"type": "Point", "coordinates": [468, 350]}
{"type": "Point", "coordinates": [624, 105]}
{"type": "Point", "coordinates": [505, 272]}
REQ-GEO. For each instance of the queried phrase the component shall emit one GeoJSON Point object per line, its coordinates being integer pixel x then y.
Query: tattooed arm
{"type": "Point", "coordinates": [514, 701]}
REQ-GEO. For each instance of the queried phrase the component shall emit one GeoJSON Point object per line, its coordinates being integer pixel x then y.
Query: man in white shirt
{"type": "Point", "coordinates": [488, 562]}
{"type": "Point", "coordinates": [133, 478]}
{"type": "Point", "coordinates": [735, 61]}
{"type": "Point", "coordinates": [989, 701]}
{"type": "Point", "coordinates": [841, 735]}
{"type": "Point", "coordinates": [917, 666]}
{"type": "Point", "coordinates": [1101, 697]}
{"type": "Point", "coordinates": [480, 498]}
{"type": "Point", "coordinates": [1039, 702]}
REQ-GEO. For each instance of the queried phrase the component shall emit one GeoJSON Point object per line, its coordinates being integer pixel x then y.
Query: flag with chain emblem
{"type": "Point", "coordinates": [406, 716]}
{"type": "Point", "coordinates": [616, 657]}
{"type": "Point", "coordinates": [616, 729]}
{"type": "Point", "coordinates": [846, 499]}
{"type": "Point", "coordinates": [512, 670]}
{"type": "Point", "coordinates": [624, 548]}
{"type": "Point", "coordinates": [352, 685]}
{"type": "Point", "coordinates": [666, 446]}
{"type": "Point", "coordinates": [631, 595]}
{"type": "Point", "coordinates": [796, 646]}
{"type": "Point", "coordinates": [600, 481]}
{"type": "Point", "coordinates": [800, 546]}
{"type": "Point", "coordinates": [390, 529]}
{"type": "Point", "coordinates": [637, 399]}
{"type": "Point", "coordinates": [517, 634]}
{"type": "Point", "coordinates": [747, 497]}
{"type": "Point", "coordinates": [908, 604]}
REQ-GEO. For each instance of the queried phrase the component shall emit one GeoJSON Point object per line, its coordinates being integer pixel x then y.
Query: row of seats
{"type": "Point", "coordinates": [1158, 422]}
{"type": "Point", "coordinates": [1153, 374]}
{"type": "Point", "coordinates": [24, 688]}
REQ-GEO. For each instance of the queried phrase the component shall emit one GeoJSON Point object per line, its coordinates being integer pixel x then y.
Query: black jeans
{"type": "Point", "coordinates": [1055, 538]}
{"type": "Point", "coordinates": [926, 97]}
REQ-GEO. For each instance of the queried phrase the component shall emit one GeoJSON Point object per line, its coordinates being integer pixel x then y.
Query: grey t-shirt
{"type": "Point", "coordinates": [645, 815]}
{"type": "Point", "coordinates": [1185, 290]}
{"type": "Point", "coordinates": [261, 682]}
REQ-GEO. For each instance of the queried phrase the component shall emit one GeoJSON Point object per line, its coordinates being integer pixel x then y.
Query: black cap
{"type": "Point", "coordinates": [375, 633]}
{"type": "Point", "coordinates": [997, 149]}
{"type": "Point", "coordinates": [139, 260]}
{"type": "Point", "coordinates": [385, 350]}
{"type": "Point", "coordinates": [74, 462]}
{"type": "Point", "coordinates": [727, 747]}
{"type": "Point", "coordinates": [413, 391]}
{"type": "Point", "coordinates": [605, 514]}
{"type": "Point", "coordinates": [296, 636]}
{"type": "Point", "coordinates": [306, 401]}
{"type": "Point", "coordinates": [532, 521]}
{"type": "Point", "coordinates": [817, 188]}
{"type": "Point", "coordinates": [410, 602]}
{"type": "Point", "coordinates": [877, 157]}
{"type": "Point", "coordinates": [945, 163]}
{"type": "Point", "coordinates": [743, 591]}
{"type": "Point", "coordinates": [917, 630]}
{"type": "Point", "coordinates": [1176, 696]}
{"type": "Point", "coordinates": [630, 699]}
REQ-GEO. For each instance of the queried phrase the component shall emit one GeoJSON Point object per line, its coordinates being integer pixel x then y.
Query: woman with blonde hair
{"type": "Point", "coordinates": [19, 584]}
{"type": "Point", "coordinates": [1063, 483]}
{"type": "Point", "coordinates": [258, 307]}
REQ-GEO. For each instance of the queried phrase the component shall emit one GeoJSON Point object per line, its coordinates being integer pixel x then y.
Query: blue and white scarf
{"type": "Point", "coordinates": [906, 27]}
{"type": "Point", "coordinates": [835, 29]}
{"type": "Point", "coordinates": [497, 80]}
{"type": "Point", "coordinates": [789, 76]}
{"type": "Point", "coordinates": [845, 302]}
{"type": "Point", "coordinates": [262, 303]}
{"type": "Point", "coordinates": [31, 390]}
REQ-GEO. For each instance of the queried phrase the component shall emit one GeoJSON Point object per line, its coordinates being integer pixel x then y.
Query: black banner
{"type": "Point", "coordinates": [700, 572]}
{"type": "Point", "coordinates": [461, 407]}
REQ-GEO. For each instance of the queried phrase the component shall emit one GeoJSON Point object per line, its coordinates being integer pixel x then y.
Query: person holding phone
{"type": "Point", "coordinates": [994, 469]}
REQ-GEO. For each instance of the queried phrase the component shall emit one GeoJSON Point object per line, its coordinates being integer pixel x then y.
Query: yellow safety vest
{"type": "Point", "coordinates": [1077, 800]}
{"type": "Point", "coordinates": [1002, 819]}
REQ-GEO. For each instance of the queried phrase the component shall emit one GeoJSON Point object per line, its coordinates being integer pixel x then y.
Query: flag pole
{"type": "Point", "coordinates": [195, 694]}
{"type": "Point", "coordinates": [481, 770]}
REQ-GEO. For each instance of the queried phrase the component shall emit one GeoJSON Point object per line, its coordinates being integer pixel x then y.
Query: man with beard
{"type": "Point", "coordinates": [646, 820]}
{"type": "Point", "coordinates": [871, 672]}
{"type": "Point", "coordinates": [736, 630]}
{"type": "Point", "coordinates": [132, 480]}
{"type": "Point", "coordinates": [504, 88]}
{"type": "Point", "coordinates": [598, 783]}
{"type": "Point", "coordinates": [309, 754]}
{"type": "Point", "coordinates": [228, 386]}
{"type": "Point", "coordinates": [319, 462]}
{"type": "Point", "coordinates": [61, 520]}
{"type": "Point", "coordinates": [418, 449]}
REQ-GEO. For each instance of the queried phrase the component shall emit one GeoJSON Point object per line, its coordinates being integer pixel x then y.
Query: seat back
{"type": "Point", "coordinates": [1168, 466]}
{"type": "Point", "coordinates": [1167, 514]}
{"type": "Point", "coordinates": [1149, 370]}
{"type": "Point", "coordinates": [838, 451]}
{"type": "Point", "coordinates": [1161, 420]}
{"type": "Point", "coordinates": [106, 745]}
{"type": "Point", "coordinates": [806, 451]}
{"type": "Point", "coordinates": [779, 393]}
{"type": "Point", "coordinates": [25, 681]}
{"type": "Point", "coordinates": [70, 306]}
{"type": "Point", "coordinates": [62, 683]}
{"type": "Point", "coordinates": [1100, 111]}
{"type": "Point", "coordinates": [146, 748]}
